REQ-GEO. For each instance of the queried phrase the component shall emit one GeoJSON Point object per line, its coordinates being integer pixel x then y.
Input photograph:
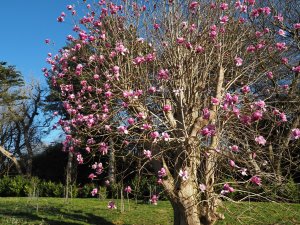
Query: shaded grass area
{"type": "Point", "coordinates": [80, 211]}
{"type": "Point", "coordinates": [94, 211]}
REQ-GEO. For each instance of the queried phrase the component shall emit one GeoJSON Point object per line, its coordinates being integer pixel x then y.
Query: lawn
{"type": "Point", "coordinates": [94, 211]}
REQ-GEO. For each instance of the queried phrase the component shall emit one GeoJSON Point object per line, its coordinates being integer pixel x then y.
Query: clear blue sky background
{"type": "Point", "coordinates": [25, 24]}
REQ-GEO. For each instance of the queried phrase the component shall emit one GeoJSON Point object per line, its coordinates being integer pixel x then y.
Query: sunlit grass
{"type": "Point", "coordinates": [95, 211]}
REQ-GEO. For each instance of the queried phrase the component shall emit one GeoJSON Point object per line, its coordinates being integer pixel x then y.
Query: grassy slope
{"type": "Point", "coordinates": [93, 211]}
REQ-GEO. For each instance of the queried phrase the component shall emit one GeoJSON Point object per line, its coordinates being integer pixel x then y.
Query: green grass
{"type": "Point", "coordinates": [94, 211]}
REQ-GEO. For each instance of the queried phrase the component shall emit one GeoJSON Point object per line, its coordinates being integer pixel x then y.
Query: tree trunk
{"type": "Point", "coordinates": [188, 210]}
{"type": "Point", "coordinates": [29, 151]}
{"type": "Point", "coordinates": [189, 213]}
{"type": "Point", "coordinates": [12, 158]}
{"type": "Point", "coordinates": [69, 174]}
{"type": "Point", "coordinates": [185, 215]}
{"type": "Point", "coordinates": [112, 163]}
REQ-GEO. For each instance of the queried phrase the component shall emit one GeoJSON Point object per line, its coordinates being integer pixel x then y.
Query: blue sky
{"type": "Point", "coordinates": [24, 27]}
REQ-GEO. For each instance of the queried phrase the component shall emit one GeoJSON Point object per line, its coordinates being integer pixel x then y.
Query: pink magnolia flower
{"type": "Point", "coordinates": [282, 33]}
{"type": "Point", "coordinates": [146, 126]}
{"type": "Point", "coordinates": [167, 108]}
{"type": "Point", "coordinates": [188, 45]}
{"type": "Point", "coordinates": [261, 105]}
{"type": "Point", "coordinates": [79, 159]}
{"type": "Point", "coordinates": [266, 10]}
{"type": "Point", "coordinates": [180, 40]}
{"type": "Point", "coordinates": [94, 191]}
{"type": "Point", "coordinates": [147, 154]}
{"type": "Point", "coordinates": [107, 183]}
{"type": "Point", "coordinates": [215, 101]}
{"type": "Point", "coordinates": [238, 61]}
{"type": "Point", "coordinates": [251, 48]}
{"type": "Point", "coordinates": [193, 27]}
{"type": "Point", "coordinates": [163, 74]}
{"type": "Point", "coordinates": [281, 46]}
{"type": "Point", "coordinates": [227, 189]}
{"type": "Point", "coordinates": [108, 94]}
{"type": "Point", "coordinates": [243, 8]}
{"type": "Point", "coordinates": [224, 6]}
{"type": "Point", "coordinates": [154, 199]}
{"type": "Point", "coordinates": [111, 205]}
{"type": "Point", "coordinates": [131, 121]}
{"type": "Point", "coordinates": [246, 89]}
{"type": "Point", "coordinates": [162, 172]}
{"type": "Point", "coordinates": [257, 115]}
{"type": "Point", "coordinates": [193, 5]}
{"type": "Point", "coordinates": [154, 135]}
{"type": "Point", "coordinates": [116, 69]}
{"type": "Point", "coordinates": [103, 148]}
{"type": "Point", "coordinates": [141, 115]}
{"type": "Point", "coordinates": [60, 19]}
{"type": "Point", "coordinates": [243, 171]}
{"type": "Point", "coordinates": [123, 130]}
{"type": "Point", "coordinates": [209, 130]}
{"type": "Point", "coordinates": [232, 163]}
{"type": "Point", "coordinates": [69, 7]}
{"type": "Point", "coordinates": [296, 69]}
{"type": "Point", "coordinates": [90, 141]}
{"type": "Point", "coordinates": [285, 60]}
{"type": "Point", "coordinates": [224, 19]}
{"type": "Point", "coordinates": [250, 2]}
{"type": "Point", "coordinates": [98, 167]}
{"type": "Point", "coordinates": [92, 176]}
{"type": "Point", "coordinates": [138, 60]}
{"type": "Point", "coordinates": [199, 49]}
{"type": "Point", "coordinates": [159, 181]}
{"type": "Point", "coordinates": [296, 26]}
{"type": "Point", "coordinates": [202, 187]}
{"type": "Point", "coordinates": [96, 76]}
{"type": "Point", "coordinates": [279, 18]}
{"type": "Point", "coordinates": [165, 136]}
{"type": "Point", "coordinates": [152, 90]}
{"type": "Point", "coordinates": [295, 134]}
{"type": "Point", "coordinates": [183, 174]}
{"type": "Point", "coordinates": [128, 189]}
{"type": "Point", "coordinates": [256, 180]}
{"type": "Point", "coordinates": [270, 75]}
{"type": "Point", "coordinates": [234, 148]}
{"type": "Point", "coordinates": [127, 94]}
{"type": "Point", "coordinates": [242, 20]}
{"type": "Point", "coordinates": [213, 34]}
{"type": "Point", "coordinates": [282, 117]}
{"type": "Point", "coordinates": [156, 26]}
{"type": "Point", "coordinates": [236, 111]}
{"type": "Point", "coordinates": [276, 112]}
{"type": "Point", "coordinates": [151, 57]}
{"type": "Point", "coordinates": [206, 113]}
{"type": "Point", "coordinates": [261, 140]}
{"type": "Point", "coordinates": [120, 48]}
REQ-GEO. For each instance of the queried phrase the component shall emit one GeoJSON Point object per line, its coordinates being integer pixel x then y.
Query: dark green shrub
{"type": "Point", "coordinates": [290, 191]}
{"type": "Point", "coordinates": [85, 191]}
{"type": "Point", "coordinates": [145, 186]}
{"type": "Point", "coordinates": [50, 189]}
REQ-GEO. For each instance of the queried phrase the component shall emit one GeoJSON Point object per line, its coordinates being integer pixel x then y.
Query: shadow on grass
{"type": "Point", "coordinates": [73, 217]}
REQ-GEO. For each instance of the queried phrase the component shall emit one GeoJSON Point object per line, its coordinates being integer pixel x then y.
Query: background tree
{"type": "Point", "coordinates": [22, 126]}
{"type": "Point", "coordinates": [10, 81]}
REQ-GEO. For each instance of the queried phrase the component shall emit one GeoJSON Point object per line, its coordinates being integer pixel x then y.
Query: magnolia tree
{"type": "Point", "coordinates": [175, 83]}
